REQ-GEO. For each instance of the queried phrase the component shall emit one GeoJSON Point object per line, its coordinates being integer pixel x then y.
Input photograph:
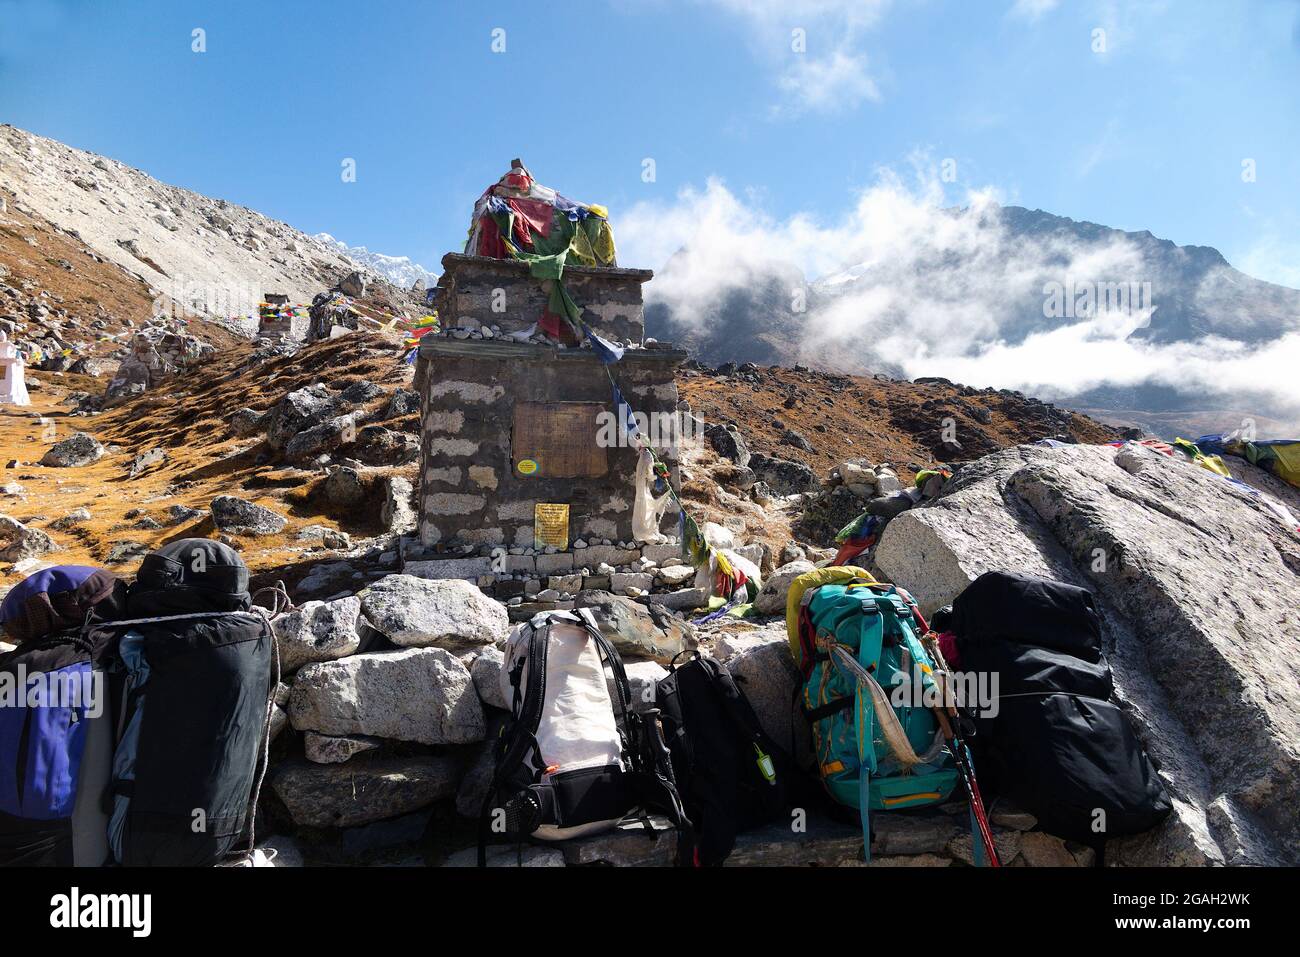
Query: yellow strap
{"type": "Point", "coordinates": [831, 575]}
{"type": "Point", "coordinates": [924, 795]}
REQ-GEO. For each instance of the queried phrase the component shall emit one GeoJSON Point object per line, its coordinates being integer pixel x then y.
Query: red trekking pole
{"type": "Point", "coordinates": [949, 721]}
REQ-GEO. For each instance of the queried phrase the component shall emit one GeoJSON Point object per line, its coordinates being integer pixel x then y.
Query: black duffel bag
{"type": "Point", "coordinates": [1058, 746]}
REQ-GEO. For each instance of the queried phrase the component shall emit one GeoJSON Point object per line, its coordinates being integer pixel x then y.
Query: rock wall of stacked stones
{"type": "Point", "coordinates": [475, 292]}
{"type": "Point", "coordinates": [471, 492]}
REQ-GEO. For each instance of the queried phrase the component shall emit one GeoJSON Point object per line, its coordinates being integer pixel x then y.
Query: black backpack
{"type": "Point", "coordinates": [1058, 746]}
{"type": "Point", "coordinates": [56, 735]}
{"type": "Point", "coordinates": [196, 703]}
{"type": "Point", "coordinates": [730, 774]}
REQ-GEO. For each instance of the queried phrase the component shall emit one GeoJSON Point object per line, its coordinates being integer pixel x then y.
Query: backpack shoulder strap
{"type": "Point", "coordinates": [741, 714]}
{"type": "Point", "coordinates": [526, 714]}
{"type": "Point", "coordinates": [644, 746]}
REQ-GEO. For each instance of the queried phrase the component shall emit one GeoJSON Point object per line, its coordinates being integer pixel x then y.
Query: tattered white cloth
{"type": "Point", "coordinates": [13, 389]}
{"type": "Point", "coordinates": [647, 510]}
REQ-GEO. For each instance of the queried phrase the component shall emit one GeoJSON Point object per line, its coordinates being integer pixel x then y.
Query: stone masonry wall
{"type": "Point", "coordinates": [470, 491]}
{"type": "Point", "coordinates": [610, 299]}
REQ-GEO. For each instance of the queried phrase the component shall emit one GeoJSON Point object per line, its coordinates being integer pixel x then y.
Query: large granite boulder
{"type": "Point", "coordinates": [73, 452]}
{"type": "Point", "coordinates": [318, 631]}
{"type": "Point", "coordinates": [417, 694]}
{"type": "Point", "coordinates": [771, 597]}
{"type": "Point", "coordinates": [367, 788]}
{"type": "Point", "coordinates": [486, 672]}
{"type": "Point", "coordinates": [298, 411]}
{"type": "Point", "coordinates": [423, 612]}
{"type": "Point", "coordinates": [1197, 581]}
{"type": "Point", "coordinates": [760, 661]}
{"type": "Point", "coordinates": [344, 488]}
{"type": "Point", "coordinates": [728, 442]}
{"type": "Point", "coordinates": [19, 542]}
{"type": "Point", "coordinates": [783, 476]}
{"type": "Point", "coordinates": [635, 630]}
{"type": "Point", "coordinates": [242, 517]}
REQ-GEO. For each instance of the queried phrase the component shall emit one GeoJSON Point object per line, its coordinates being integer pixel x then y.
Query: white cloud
{"type": "Point", "coordinates": [940, 291]}
{"type": "Point", "coordinates": [812, 48]}
{"type": "Point", "coordinates": [1033, 9]}
{"type": "Point", "coordinates": [1141, 25]}
{"type": "Point", "coordinates": [829, 84]}
{"type": "Point", "coordinates": [1273, 259]}
{"type": "Point", "coordinates": [766, 14]}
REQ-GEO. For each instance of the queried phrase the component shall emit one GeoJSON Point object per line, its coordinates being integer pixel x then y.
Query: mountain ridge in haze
{"type": "Point", "coordinates": [1187, 296]}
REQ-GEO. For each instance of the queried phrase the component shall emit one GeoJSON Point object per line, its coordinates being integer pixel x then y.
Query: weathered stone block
{"type": "Point", "coordinates": [824, 843]}
{"type": "Point", "coordinates": [468, 569]}
{"type": "Point", "coordinates": [565, 583]}
{"type": "Point", "coordinates": [515, 564]}
{"type": "Point", "coordinates": [1008, 843]}
{"type": "Point", "coordinates": [610, 555]}
{"type": "Point", "coordinates": [422, 612]}
{"type": "Point", "coordinates": [483, 476]}
{"type": "Point", "coordinates": [418, 694]}
{"type": "Point", "coordinates": [621, 581]}
{"type": "Point", "coordinates": [453, 503]}
{"type": "Point", "coordinates": [638, 631]}
{"type": "Point", "coordinates": [626, 846]}
{"type": "Point", "coordinates": [662, 554]}
{"type": "Point", "coordinates": [367, 788]}
{"type": "Point", "coordinates": [550, 564]}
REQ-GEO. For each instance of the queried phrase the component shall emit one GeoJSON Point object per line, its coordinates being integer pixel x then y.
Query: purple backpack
{"type": "Point", "coordinates": [49, 697]}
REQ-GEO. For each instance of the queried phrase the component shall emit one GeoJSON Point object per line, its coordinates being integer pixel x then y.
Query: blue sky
{"type": "Point", "coordinates": [1149, 133]}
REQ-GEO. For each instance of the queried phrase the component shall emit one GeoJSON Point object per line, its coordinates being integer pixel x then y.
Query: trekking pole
{"type": "Point", "coordinates": [949, 724]}
{"type": "Point", "coordinates": [958, 748]}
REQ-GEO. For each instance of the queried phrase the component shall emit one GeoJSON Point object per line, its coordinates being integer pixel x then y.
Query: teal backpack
{"type": "Point", "coordinates": [877, 748]}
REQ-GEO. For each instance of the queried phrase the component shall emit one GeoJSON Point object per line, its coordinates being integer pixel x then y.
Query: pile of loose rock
{"type": "Point", "coordinates": [845, 494]}
{"type": "Point", "coordinates": [157, 352]}
{"type": "Point", "coordinates": [40, 324]}
{"type": "Point", "coordinates": [312, 423]}
{"type": "Point", "coordinates": [530, 580]}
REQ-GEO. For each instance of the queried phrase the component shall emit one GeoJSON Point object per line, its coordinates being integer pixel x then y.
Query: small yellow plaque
{"type": "Point", "coordinates": [551, 525]}
{"type": "Point", "coordinates": [527, 466]}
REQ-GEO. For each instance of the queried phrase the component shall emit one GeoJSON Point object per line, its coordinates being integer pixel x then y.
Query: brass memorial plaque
{"type": "Point", "coordinates": [557, 440]}
{"type": "Point", "coordinates": [551, 525]}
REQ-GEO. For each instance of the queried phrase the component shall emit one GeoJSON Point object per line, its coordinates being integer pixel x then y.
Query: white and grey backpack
{"type": "Point", "coordinates": [574, 757]}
